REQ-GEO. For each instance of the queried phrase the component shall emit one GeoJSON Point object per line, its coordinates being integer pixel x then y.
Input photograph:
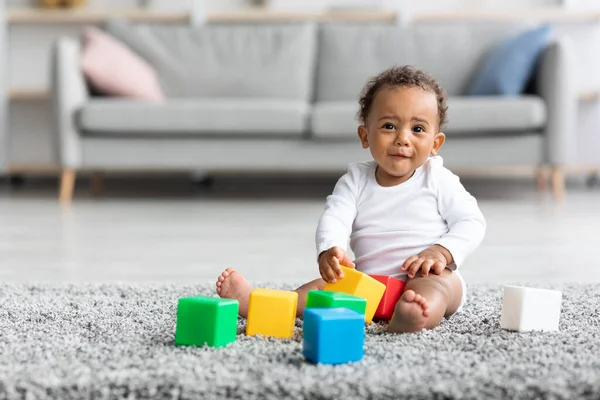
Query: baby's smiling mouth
{"type": "Point", "coordinates": [399, 155]}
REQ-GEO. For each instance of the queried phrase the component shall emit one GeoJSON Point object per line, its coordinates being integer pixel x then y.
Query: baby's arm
{"type": "Point", "coordinates": [335, 226]}
{"type": "Point", "coordinates": [466, 225]}
{"type": "Point", "coordinates": [466, 228]}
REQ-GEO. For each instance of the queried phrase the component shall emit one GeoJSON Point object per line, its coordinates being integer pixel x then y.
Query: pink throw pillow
{"type": "Point", "coordinates": [114, 70]}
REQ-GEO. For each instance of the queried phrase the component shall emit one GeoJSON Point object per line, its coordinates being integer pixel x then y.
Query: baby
{"type": "Point", "coordinates": [405, 214]}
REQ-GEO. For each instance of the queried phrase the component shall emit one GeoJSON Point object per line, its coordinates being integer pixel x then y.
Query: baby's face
{"type": "Point", "coordinates": [401, 131]}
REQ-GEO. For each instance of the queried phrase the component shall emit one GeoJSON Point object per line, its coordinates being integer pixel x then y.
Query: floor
{"type": "Point", "coordinates": [166, 229]}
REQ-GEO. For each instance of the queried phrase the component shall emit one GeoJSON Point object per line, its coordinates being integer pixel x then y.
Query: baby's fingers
{"type": "Point", "coordinates": [337, 269]}
{"type": "Point", "coordinates": [342, 258]}
{"type": "Point", "coordinates": [408, 262]}
{"type": "Point", "coordinates": [414, 267]}
{"type": "Point", "coordinates": [346, 262]}
{"type": "Point", "coordinates": [438, 268]}
{"type": "Point", "coordinates": [331, 275]}
{"type": "Point", "coordinates": [333, 269]}
{"type": "Point", "coordinates": [327, 274]}
{"type": "Point", "coordinates": [426, 266]}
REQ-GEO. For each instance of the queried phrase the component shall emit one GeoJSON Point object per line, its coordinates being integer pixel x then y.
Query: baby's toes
{"type": "Point", "coordinates": [425, 307]}
{"type": "Point", "coordinates": [408, 296]}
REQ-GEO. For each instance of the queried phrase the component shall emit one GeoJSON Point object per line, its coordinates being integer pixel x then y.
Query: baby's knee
{"type": "Point", "coordinates": [440, 283]}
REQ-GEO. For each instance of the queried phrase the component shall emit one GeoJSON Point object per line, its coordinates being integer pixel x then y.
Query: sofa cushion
{"type": "Point", "coordinates": [493, 114]}
{"type": "Point", "coordinates": [239, 61]}
{"type": "Point", "coordinates": [194, 117]}
{"type": "Point", "coordinates": [114, 70]}
{"type": "Point", "coordinates": [509, 65]}
{"type": "Point", "coordinates": [350, 54]}
{"type": "Point", "coordinates": [466, 116]}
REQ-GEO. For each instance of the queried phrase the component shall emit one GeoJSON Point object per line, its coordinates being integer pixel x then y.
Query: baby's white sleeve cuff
{"type": "Point", "coordinates": [453, 245]}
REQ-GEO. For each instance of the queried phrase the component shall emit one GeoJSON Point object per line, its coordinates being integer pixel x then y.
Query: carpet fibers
{"type": "Point", "coordinates": [116, 341]}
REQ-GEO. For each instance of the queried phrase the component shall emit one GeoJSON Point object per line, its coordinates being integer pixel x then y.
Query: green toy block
{"type": "Point", "coordinates": [203, 320]}
{"type": "Point", "coordinates": [325, 299]}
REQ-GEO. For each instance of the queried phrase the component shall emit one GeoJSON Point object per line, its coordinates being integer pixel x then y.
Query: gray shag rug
{"type": "Point", "coordinates": [116, 341]}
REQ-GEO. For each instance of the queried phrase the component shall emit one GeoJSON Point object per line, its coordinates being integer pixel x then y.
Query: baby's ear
{"type": "Point", "coordinates": [438, 141]}
{"type": "Point", "coordinates": [362, 135]}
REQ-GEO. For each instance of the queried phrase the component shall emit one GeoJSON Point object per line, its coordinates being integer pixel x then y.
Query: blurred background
{"type": "Point", "coordinates": [161, 140]}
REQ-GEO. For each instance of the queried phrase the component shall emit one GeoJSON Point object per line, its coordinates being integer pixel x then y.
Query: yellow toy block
{"type": "Point", "coordinates": [362, 285]}
{"type": "Point", "coordinates": [272, 313]}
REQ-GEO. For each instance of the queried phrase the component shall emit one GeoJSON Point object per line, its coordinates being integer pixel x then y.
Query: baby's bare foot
{"type": "Point", "coordinates": [232, 285]}
{"type": "Point", "coordinates": [411, 313]}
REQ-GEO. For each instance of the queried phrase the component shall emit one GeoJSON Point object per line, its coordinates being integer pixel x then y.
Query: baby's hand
{"type": "Point", "coordinates": [429, 260]}
{"type": "Point", "coordinates": [329, 264]}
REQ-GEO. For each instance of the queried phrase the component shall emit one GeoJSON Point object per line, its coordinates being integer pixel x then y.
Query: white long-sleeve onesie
{"type": "Point", "coordinates": [386, 225]}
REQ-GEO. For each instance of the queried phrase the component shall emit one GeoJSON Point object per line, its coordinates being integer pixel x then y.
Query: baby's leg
{"type": "Point", "coordinates": [317, 284]}
{"type": "Point", "coordinates": [425, 301]}
{"type": "Point", "coordinates": [232, 285]}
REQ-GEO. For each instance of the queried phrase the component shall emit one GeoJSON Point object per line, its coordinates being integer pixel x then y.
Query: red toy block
{"type": "Point", "coordinates": [393, 291]}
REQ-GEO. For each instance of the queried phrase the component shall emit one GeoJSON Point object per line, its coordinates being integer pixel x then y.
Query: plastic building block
{"type": "Point", "coordinates": [393, 290]}
{"type": "Point", "coordinates": [203, 320]}
{"type": "Point", "coordinates": [333, 335]}
{"type": "Point", "coordinates": [529, 309]}
{"type": "Point", "coordinates": [272, 313]}
{"type": "Point", "coordinates": [324, 299]}
{"type": "Point", "coordinates": [362, 285]}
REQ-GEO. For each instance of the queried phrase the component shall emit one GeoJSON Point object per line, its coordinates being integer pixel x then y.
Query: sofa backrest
{"type": "Point", "coordinates": [248, 61]}
{"type": "Point", "coordinates": [350, 54]}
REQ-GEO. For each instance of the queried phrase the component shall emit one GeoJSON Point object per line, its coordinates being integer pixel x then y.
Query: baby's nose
{"type": "Point", "coordinates": [402, 137]}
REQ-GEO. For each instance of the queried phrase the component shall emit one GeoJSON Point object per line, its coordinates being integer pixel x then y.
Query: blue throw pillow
{"type": "Point", "coordinates": [507, 68]}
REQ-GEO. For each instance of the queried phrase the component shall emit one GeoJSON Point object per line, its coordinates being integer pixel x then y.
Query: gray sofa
{"type": "Point", "coordinates": [284, 97]}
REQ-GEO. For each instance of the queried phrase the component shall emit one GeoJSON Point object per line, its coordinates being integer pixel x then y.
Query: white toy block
{"type": "Point", "coordinates": [529, 309]}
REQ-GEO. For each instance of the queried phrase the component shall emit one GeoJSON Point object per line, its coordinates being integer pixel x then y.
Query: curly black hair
{"type": "Point", "coordinates": [403, 76]}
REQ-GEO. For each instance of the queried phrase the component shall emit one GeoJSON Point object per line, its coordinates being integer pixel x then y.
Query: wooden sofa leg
{"type": "Point", "coordinates": [592, 178]}
{"type": "Point", "coordinates": [97, 182]}
{"type": "Point", "coordinates": [67, 184]}
{"type": "Point", "coordinates": [558, 183]}
{"type": "Point", "coordinates": [541, 179]}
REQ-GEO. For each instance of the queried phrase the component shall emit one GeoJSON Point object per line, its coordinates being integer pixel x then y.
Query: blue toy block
{"type": "Point", "coordinates": [333, 335]}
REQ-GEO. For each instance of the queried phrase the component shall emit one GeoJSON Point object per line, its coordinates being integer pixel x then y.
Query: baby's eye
{"type": "Point", "coordinates": [418, 129]}
{"type": "Point", "coordinates": [389, 126]}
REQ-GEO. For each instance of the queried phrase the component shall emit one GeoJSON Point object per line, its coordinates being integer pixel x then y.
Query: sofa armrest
{"type": "Point", "coordinates": [556, 85]}
{"type": "Point", "coordinates": [69, 94]}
